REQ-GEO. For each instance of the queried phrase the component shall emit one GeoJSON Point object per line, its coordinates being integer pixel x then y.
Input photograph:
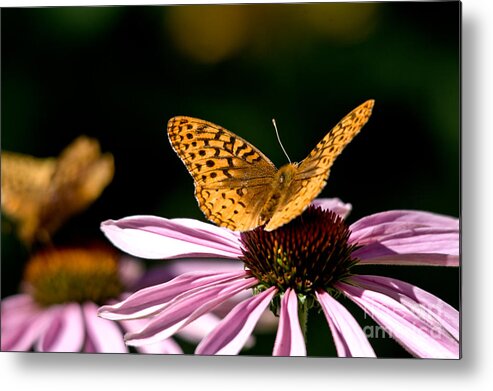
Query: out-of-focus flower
{"type": "Point", "coordinates": [305, 264]}
{"type": "Point", "coordinates": [216, 33]}
{"type": "Point", "coordinates": [41, 194]}
{"type": "Point", "coordinates": [62, 290]}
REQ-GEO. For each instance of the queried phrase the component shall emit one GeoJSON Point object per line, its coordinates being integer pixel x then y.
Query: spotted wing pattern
{"type": "Point", "coordinates": [313, 171]}
{"type": "Point", "coordinates": [232, 178]}
{"type": "Point", "coordinates": [238, 187]}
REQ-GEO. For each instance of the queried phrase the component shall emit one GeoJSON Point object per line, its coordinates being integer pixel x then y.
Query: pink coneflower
{"type": "Point", "coordinates": [308, 263]}
{"type": "Point", "coordinates": [63, 289]}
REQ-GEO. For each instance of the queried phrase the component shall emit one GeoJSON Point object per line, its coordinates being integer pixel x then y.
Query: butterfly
{"type": "Point", "coordinates": [239, 188]}
{"type": "Point", "coordinates": [40, 194]}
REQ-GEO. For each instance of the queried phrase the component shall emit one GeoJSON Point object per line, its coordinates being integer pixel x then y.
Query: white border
{"type": "Point", "coordinates": [474, 371]}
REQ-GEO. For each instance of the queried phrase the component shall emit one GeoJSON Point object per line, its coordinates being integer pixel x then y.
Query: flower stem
{"type": "Point", "coordinates": [303, 315]}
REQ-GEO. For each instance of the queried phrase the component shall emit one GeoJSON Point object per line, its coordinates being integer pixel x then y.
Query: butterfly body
{"type": "Point", "coordinates": [279, 191]}
{"type": "Point", "coordinates": [238, 187]}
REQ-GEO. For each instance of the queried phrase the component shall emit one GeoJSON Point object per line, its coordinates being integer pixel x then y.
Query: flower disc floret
{"type": "Point", "coordinates": [310, 253]}
{"type": "Point", "coordinates": [56, 276]}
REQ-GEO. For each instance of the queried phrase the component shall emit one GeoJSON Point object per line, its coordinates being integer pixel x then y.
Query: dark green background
{"type": "Point", "coordinates": [119, 73]}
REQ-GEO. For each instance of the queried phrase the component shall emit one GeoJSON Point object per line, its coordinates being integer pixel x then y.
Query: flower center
{"type": "Point", "coordinates": [309, 253]}
{"type": "Point", "coordinates": [57, 276]}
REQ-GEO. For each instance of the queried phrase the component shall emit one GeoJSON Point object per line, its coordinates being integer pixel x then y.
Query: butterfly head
{"type": "Point", "coordinates": [286, 174]}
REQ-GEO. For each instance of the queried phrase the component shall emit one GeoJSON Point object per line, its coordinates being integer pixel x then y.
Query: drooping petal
{"type": "Point", "coordinates": [200, 327]}
{"type": "Point", "coordinates": [21, 329]}
{"type": "Point", "coordinates": [184, 309]}
{"type": "Point", "coordinates": [349, 338]}
{"type": "Point", "coordinates": [425, 305]}
{"type": "Point", "coordinates": [65, 332]}
{"type": "Point", "coordinates": [229, 337]}
{"type": "Point", "coordinates": [402, 239]}
{"type": "Point", "coordinates": [150, 300]}
{"type": "Point", "coordinates": [167, 346]}
{"type": "Point", "coordinates": [415, 217]}
{"type": "Point", "coordinates": [210, 265]}
{"type": "Point", "coordinates": [289, 338]}
{"type": "Point", "coordinates": [409, 330]}
{"type": "Point", "coordinates": [15, 310]}
{"type": "Point", "coordinates": [105, 336]}
{"type": "Point", "coordinates": [159, 238]}
{"type": "Point", "coordinates": [407, 238]}
{"type": "Point", "coordinates": [173, 268]}
{"type": "Point", "coordinates": [376, 257]}
{"type": "Point", "coordinates": [335, 205]}
{"type": "Point", "coordinates": [16, 302]}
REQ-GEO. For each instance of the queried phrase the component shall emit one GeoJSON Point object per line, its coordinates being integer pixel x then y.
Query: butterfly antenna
{"type": "Point", "coordinates": [279, 139]}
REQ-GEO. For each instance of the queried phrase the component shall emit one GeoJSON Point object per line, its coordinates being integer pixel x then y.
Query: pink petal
{"type": "Point", "coordinates": [349, 338]}
{"type": "Point", "coordinates": [167, 346]}
{"type": "Point", "coordinates": [66, 331]}
{"type": "Point", "coordinates": [234, 330]}
{"type": "Point", "coordinates": [167, 271]}
{"type": "Point", "coordinates": [158, 238]}
{"type": "Point", "coordinates": [184, 309]}
{"type": "Point", "coordinates": [17, 302]}
{"type": "Point", "coordinates": [218, 266]}
{"type": "Point", "coordinates": [130, 270]}
{"type": "Point", "coordinates": [407, 238]}
{"type": "Point", "coordinates": [333, 204]}
{"type": "Point", "coordinates": [425, 305]}
{"type": "Point", "coordinates": [150, 300]}
{"type": "Point", "coordinates": [20, 329]}
{"type": "Point", "coordinates": [424, 259]}
{"type": "Point", "coordinates": [105, 335]}
{"type": "Point", "coordinates": [267, 322]}
{"type": "Point", "coordinates": [417, 218]}
{"type": "Point", "coordinates": [409, 330]}
{"type": "Point", "coordinates": [289, 338]}
{"type": "Point", "coordinates": [199, 328]}
{"type": "Point", "coordinates": [202, 326]}
{"type": "Point", "coordinates": [16, 309]}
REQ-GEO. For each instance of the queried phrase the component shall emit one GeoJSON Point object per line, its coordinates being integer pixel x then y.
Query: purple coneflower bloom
{"type": "Point", "coordinates": [62, 291]}
{"type": "Point", "coordinates": [305, 264]}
